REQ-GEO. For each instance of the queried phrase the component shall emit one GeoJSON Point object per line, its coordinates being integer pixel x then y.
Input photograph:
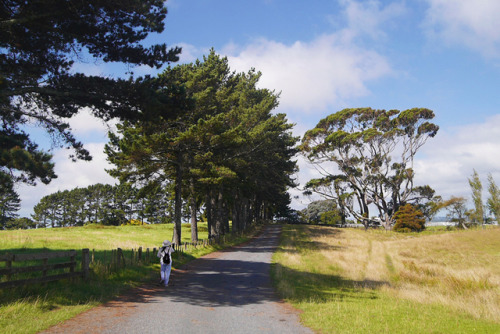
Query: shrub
{"type": "Point", "coordinates": [134, 222]}
{"type": "Point", "coordinates": [409, 219]}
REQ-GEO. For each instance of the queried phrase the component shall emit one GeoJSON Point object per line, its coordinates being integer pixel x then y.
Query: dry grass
{"type": "Point", "coordinates": [459, 270]}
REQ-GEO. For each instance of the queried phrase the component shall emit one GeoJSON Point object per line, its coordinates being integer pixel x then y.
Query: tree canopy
{"type": "Point", "coordinates": [40, 41]}
{"type": "Point", "coordinates": [372, 153]}
{"type": "Point", "coordinates": [225, 150]}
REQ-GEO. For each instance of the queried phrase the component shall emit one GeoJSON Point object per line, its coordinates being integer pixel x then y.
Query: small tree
{"type": "Point", "coordinates": [477, 215]}
{"type": "Point", "coordinates": [323, 211]}
{"type": "Point", "coordinates": [493, 202]}
{"type": "Point", "coordinates": [457, 209]}
{"type": "Point", "coordinates": [9, 203]}
{"type": "Point", "coordinates": [409, 219]}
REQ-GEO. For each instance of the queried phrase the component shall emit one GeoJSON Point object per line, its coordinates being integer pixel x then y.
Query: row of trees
{"type": "Point", "coordinates": [457, 206]}
{"type": "Point", "coordinates": [199, 129]}
{"type": "Point", "coordinates": [104, 204]}
{"type": "Point", "coordinates": [223, 149]}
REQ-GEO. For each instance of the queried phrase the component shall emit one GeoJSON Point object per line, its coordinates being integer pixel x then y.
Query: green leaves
{"type": "Point", "coordinates": [362, 143]}
{"type": "Point", "coordinates": [225, 144]}
{"type": "Point", "coordinates": [40, 39]}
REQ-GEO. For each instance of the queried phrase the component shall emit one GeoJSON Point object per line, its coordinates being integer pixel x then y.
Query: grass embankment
{"type": "Point", "coordinates": [356, 281]}
{"type": "Point", "coordinates": [30, 309]}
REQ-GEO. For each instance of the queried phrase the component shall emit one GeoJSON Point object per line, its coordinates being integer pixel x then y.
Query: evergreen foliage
{"type": "Point", "coordinates": [493, 202]}
{"type": "Point", "coordinates": [103, 204]}
{"type": "Point", "coordinates": [477, 198]}
{"type": "Point", "coordinates": [223, 149]}
{"type": "Point", "coordinates": [364, 143]}
{"type": "Point", "coordinates": [409, 219]}
{"type": "Point", "coordinates": [40, 41]}
{"type": "Point", "coordinates": [9, 203]}
{"type": "Point", "coordinates": [322, 212]}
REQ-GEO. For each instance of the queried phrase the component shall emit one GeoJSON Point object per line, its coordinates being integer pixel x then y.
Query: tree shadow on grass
{"type": "Point", "coordinates": [303, 286]}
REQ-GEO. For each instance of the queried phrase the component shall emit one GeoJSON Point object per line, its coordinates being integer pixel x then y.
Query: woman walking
{"type": "Point", "coordinates": [165, 255]}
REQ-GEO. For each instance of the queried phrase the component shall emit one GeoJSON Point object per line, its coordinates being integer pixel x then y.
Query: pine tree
{"type": "Point", "coordinates": [40, 41]}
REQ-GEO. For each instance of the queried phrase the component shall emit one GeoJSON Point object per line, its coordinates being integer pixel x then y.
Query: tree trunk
{"type": "Point", "coordinates": [176, 238]}
{"type": "Point", "coordinates": [236, 214]}
{"type": "Point", "coordinates": [194, 222]}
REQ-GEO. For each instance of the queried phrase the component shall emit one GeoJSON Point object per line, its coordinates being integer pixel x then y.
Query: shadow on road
{"type": "Point", "coordinates": [235, 277]}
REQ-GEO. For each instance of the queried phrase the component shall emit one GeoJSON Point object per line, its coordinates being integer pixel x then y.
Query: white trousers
{"type": "Point", "coordinates": [165, 272]}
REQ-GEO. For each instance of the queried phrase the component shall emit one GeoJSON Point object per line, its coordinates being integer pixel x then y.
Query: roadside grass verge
{"type": "Point", "coordinates": [356, 281]}
{"type": "Point", "coordinates": [30, 309]}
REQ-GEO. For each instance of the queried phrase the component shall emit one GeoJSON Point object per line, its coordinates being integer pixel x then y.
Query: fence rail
{"type": "Point", "coordinates": [113, 260]}
{"type": "Point", "coordinates": [45, 267]}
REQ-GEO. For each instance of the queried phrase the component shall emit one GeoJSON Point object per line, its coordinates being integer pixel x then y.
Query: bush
{"type": "Point", "coordinates": [409, 219]}
{"type": "Point", "coordinates": [134, 222]}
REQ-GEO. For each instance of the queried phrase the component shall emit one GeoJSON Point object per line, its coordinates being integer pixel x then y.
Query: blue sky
{"type": "Point", "coordinates": [324, 56]}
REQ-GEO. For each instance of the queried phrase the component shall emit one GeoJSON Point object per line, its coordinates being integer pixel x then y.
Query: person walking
{"type": "Point", "coordinates": [165, 255]}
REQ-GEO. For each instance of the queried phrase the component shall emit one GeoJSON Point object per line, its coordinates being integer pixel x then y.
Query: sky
{"type": "Point", "coordinates": [324, 56]}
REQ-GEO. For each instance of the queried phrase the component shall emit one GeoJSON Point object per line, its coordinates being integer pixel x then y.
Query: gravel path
{"type": "Point", "coordinates": [223, 292]}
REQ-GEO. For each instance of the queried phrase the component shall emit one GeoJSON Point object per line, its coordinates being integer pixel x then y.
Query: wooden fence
{"type": "Point", "coordinates": [119, 258]}
{"type": "Point", "coordinates": [112, 260]}
{"type": "Point", "coordinates": [42, 267]}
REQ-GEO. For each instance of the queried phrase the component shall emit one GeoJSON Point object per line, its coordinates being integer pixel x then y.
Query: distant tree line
{"type": "Point", "coordinates": [104, 204]}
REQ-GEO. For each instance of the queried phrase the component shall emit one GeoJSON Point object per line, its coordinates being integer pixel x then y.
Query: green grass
{"type": "Point", "coordinates": [313, 270]}
{"type": "Point", "coordinates": [33, 308]}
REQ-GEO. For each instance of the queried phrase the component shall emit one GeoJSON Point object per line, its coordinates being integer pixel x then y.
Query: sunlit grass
{"type": "Point", "coordinates": [33, 308]}
{"type": "Point", "coordinates": [356, 281]}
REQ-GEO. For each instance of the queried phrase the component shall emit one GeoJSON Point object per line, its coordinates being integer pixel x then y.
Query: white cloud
{"type": "Point", "coordinates": [190, 53]}
{"type": "Point", "coordinates": [312, 75]}
{"type": "Point", "coordinates": [84, 123]}
{"type": "Point", "coordinates": [367, 18]}
{"type": "Point", "coordinates": [70, 175]}
{"type": "Point", "coordinates": [326, 71]}
{"type": "Point", "coordinates": [447, 161]}
{"type": "Point", "coordinates": [475, 24]}
{"type": "Point", "coordinates": [93, 131]}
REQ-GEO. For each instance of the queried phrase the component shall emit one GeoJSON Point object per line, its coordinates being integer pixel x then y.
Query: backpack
{"type": "Point", "coordinates": [166, 257]}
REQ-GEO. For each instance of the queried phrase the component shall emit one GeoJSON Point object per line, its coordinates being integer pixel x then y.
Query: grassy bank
{"type": "Point", "coordinates": [356, 281]}
{"type": "Point", "coordinates": [31, 309]}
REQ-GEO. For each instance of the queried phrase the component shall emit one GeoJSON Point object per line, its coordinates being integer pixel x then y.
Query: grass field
{"type": "Point", "coordinates": [30, 309]}
{"type": "Point", "coordinates": [356, 281]}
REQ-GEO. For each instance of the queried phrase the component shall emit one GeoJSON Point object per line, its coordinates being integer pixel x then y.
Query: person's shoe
{"type": "Point", "coordinates": [161, 282]}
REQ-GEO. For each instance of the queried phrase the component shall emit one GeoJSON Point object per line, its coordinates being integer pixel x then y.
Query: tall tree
{"type": "Point", "coordinates": [493, 201]}
{"type": "Point", "coordinates": [477, 197]}
{"type": "Point", "coordinates": [40, 40]}
{"type": "Point", "coordinates": [374, 152]}
{"type": "Point", "coordinates": [225, 146]}
{"type": "Point", "coordinates": [9, 204]}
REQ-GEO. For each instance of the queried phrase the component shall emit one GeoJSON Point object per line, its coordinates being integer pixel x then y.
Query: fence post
{"type": "Point", "coordinates": [73, 262]}
{"type": "Point", "coordinates": [44, 271]}
{"type": "Point", "coordinates": [139, 254]}
{"type": "Point", "coordinates": [120, 256]}
{"type": "Point", "coordinates": [85, 263]}
{"type": "Point", "coordinates": [8, 265]}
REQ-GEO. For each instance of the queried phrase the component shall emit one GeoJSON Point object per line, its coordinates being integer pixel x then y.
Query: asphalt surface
{"type": "Point", "coordinates": [223, 292]}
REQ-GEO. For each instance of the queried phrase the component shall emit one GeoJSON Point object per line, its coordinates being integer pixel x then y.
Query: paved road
{"type": "Point", "coordinates": [224, 292]}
